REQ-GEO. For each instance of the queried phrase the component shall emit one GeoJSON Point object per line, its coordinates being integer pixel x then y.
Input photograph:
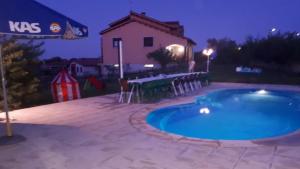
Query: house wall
{"type": "Point", "coordinates": [134, 51]}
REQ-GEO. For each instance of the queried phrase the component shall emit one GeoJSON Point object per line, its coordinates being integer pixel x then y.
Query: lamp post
{"type": "Point", "coordinates": [207, 52]}
{"type": "Point", "coordinates": [120, 57]}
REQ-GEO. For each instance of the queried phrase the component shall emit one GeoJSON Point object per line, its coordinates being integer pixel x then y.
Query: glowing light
{"type": "Point", "coordinates": [207, 52]}
{"type": "Point", "coordinates": [116, 65]}
{"type": "Point", "coordinates": [298, 34]}
{"type": "Point", "coordinates": [239, 48]}
{"type": "Point", "coordinates": [180, 49]}
{"type": "Point", "coordinates": [262, 92]}
{"type": "Point", "coordinates": [204, 110]}
{"type": "Point", "coordinates": [273, 30]}
{"type": "Point", "coordinates": [149, 65]}
{"type": "Point", "coordinates": [176, 49]}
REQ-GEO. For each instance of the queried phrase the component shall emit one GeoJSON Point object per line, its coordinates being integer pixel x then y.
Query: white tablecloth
{"type": "Point", "coordinates": [160, 77]}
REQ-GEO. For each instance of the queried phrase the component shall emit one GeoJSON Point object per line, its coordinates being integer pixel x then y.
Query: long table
{"type": "Point", "coordinates": [136, 83]}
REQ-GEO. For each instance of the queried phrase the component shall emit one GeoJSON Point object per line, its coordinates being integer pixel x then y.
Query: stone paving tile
{"type": "Point", "coordinates": [199, 152]}
{"type": "Point", "coordinates": [250, 164]}
{"type": "Point", "coordinates": [259, 154]}
{"type": "Point", "coordinates": [293, 152]}
{"type": "Point", "coordinates": [34, 155]}
{"type": "Point", "coordinates": [197, 155]}
{"type": "Point", "coordinates": [224, 157]}
{"type": "Point", "coordinates": [155, 154]}
{"type": "Point", "coordinates": [98, 133]}
{"type": "Point", "coordinates": [256, 158]}
{"type": "Point", "coordinates": [285, 163]}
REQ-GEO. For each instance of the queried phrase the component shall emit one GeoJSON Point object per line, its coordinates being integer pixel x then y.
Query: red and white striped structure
{"type": "Point", "coordinates": [64, 87]}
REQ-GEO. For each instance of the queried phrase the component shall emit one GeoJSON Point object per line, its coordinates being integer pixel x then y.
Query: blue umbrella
{"type": "Point", "coordinates": [27, 19]}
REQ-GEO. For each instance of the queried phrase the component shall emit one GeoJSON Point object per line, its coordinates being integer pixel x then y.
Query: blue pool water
{"type": "Point", "coordinates": [235, 114]}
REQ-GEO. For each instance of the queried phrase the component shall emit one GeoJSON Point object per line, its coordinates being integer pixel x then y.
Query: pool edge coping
{"type": "Point", "coordinates": [138, 121]}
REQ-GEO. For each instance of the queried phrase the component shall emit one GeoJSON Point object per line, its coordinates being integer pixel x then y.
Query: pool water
{"type": "Point", "coordinates": [234, 114]}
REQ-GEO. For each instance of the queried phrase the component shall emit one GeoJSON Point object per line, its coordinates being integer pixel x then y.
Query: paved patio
{"type": "Point", "coordinates": [98, 133]}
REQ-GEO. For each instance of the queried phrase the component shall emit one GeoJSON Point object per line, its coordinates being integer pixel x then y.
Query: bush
{"type": "Point", "coordinates": [162, 56]}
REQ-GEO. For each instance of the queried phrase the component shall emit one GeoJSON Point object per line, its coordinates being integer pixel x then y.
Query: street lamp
{"type": "Point", "coordinates": [207, 52]}
{"type": "Point", "coordinates": [273, 30]}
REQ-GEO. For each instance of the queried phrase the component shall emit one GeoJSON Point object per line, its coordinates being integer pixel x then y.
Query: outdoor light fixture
{"type": "Point", "coordinates": [180, 49]}
{"type": "Point", "coordinates": [239, 48]}
{"type": "Point", "coordinates": [116, 65]}
{"type": "Point", "coordinates": [176, 49]}
{"type": "Point", "coordinates": [298, 34]}
{"type": "Point", "coordinates": [207, 52]}
{"type": "Point", "coordinates": [273, 30]}
{"type": "Point", "coordinates": [204, 110]}
{"type": "Point", "coordinates": [149, 65]}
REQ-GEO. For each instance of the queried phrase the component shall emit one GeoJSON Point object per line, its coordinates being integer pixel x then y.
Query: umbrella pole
{"type": "Point", "coordinates": [5, 105]}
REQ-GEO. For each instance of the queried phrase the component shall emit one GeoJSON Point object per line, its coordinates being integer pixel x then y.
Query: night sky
{"type": "Point", "coordinates": [202, 19]}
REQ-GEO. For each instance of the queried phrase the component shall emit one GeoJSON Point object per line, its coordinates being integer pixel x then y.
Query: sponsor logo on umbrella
{"type": "Point", "coordinates": [22, 27]}
{"type": "Point", "coordinates": [55, 27]}
{"type": "Point", "coordinates": [77, 31]}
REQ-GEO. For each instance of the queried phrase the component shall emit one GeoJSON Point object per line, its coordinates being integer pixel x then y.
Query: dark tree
{"type": "Point", "coordinates": [162, 56]}
{"type": "Point", "coordinates": [280, 51]}
{"type": "Point", "coordinates": [227, 51]}
{"type": "Point", "coordinates": [21, 66]}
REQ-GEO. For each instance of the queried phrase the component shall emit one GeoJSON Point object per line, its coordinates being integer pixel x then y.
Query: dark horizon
{"type": "Point", "coordinates": [202, 19]}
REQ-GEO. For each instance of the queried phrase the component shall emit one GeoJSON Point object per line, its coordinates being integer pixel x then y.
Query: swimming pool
{"type": "Point", "coordinates": [232, 114]}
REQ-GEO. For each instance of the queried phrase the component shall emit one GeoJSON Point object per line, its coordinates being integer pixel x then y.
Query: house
{"type": "Point", "coordinates": [141, 35]}
{"type": "Point", "coordinates": [82, 67]}
{"type": "Point", "coordinates": [78, 67]}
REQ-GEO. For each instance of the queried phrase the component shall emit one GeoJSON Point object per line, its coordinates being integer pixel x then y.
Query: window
{"type": "Point", "coordinates": [116, 42]}
{"type": "Point", "coordinates": [148, 41]}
